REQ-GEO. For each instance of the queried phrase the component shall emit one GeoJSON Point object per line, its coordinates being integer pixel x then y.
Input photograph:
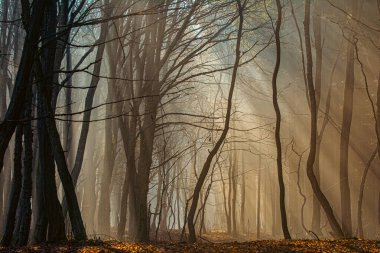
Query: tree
{"type": "Point", "coordinates": [284, 221]}
{"type": "Point", "coordinates": [210, 157]}
{"type": "Point", "coordinates": [313, 132]}
{"type": "Point", "coordinates": [345, 133]}
{"type": "Point", "coordinates": [15, 107]}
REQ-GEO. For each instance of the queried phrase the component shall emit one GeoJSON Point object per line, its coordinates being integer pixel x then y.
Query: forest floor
{"type": "Point", "coordinates": [259, 246]}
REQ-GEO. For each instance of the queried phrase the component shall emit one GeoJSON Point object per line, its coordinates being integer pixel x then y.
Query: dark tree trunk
{"type": "Point", "coordinates": [313, 133]}
{"type": "Point", "coordinates": [26, 193]}
{"type": "Point", "coordinates": [15, 107]}
{"type": "Point", "coordinates": [214, 151]}
{"type": "Point", "coordinates": [284, 221]}
{"type": "Point", "coordinates": [88, 104]}
{"type": "Point", "coordinates": [51, 208]}
{"type": "Point", "coordinates": [316, 218]}
{"type": "Point", "coordinates": [87, 114]}
{"type": "Point", "coordinates": [16, 189]}
{"type": "Point", "coordinates": [67, 128]}
{"type": "Point", "coordinates": [40, 225]}
{"type": "Point", "coordinates": [59, 156]}
{"type": "Point", "coordinates": [145, 161]}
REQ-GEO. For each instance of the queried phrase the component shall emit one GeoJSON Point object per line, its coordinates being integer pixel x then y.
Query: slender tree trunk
{"type": "Point", "coordinates": [284, 221]}
{"type": "Point", "coordinates": [234, 193]}
{"type": "Point", "coordinates": [87, 114]}
{"type": "Point", "coordinates": [361, 194]}
{"type": "Point", "coordinates": [313, 133]}
{"type": "Point", "coordinates": [346, 129]}
{"type": "Point", "coordinates": [213, 152]}
{"type": "Point", "coordinates": [110, 140]}
{"type": "Point", "coordinates": [226, 210]}
{"type": "Point", "coordinates": [178, 198]}
{"type": "Point", "coordinates": [344, 141]}
{"type": "Point", "coordinates": [242, 196]}
{"type": "Point", "coordinates": [67, 128]}
{"type": "Point", "coordinates": [258, 205]}
{"type": "Point", "coordinates": [316, 218]}
{"type": "Point", "coordinates": [229, 200]}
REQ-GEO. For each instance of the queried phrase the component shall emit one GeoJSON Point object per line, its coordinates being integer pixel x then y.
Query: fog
{"type": "Point", "coordinates": [161, 116]}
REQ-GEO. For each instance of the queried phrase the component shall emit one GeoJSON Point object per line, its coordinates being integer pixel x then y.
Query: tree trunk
{"type": "Point", "coordinates": [16, 189]}
{"type": "Point", "coordinates": [67, 128]}
{"type": "Point", "coordinates": [344, 142]}
{"type": "Point", "coordinates": [242, 197]}
{"type": "Point", "coordinates": [234, 193]}
{"type": "Point", "coordinates": [284, 221]}
{"type": "Point", "coordinates": [59, 156]}
{"type": "Point", "coordinates": [213, 152]}
{"type": "Point", "coordinates": [26, 193]}
{"type": "Point", "coordinates": [123, 209]}
{"type": "Point", "coordinates": [313, 133]}
{"type": "Point", "coordinates": [89, 202]}
{"type": "Point", "coordinates": [229, 200]}
{"type": "Point", "coordinates": [225, 200]}
{"type": "Point", "coordinates": [316, 217]}
{"type": "Point", "coordinates": [51, 207]}
{"type": "Point", "coordinates": [258, 205]}
{"type": "Point", "coordinates": [87, 114]}
{"type": "Point", "coordinates": [110, 141]}
{"type": "Point", "coordinates": [145, 161]}
{"type": "Point", "coordinates": [16, 104]}
{"type": "Point", "coordinates": [361, 194]}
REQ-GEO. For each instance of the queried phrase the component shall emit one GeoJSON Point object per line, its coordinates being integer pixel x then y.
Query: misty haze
{"type": "Point", "coordinates": [190, 125]}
